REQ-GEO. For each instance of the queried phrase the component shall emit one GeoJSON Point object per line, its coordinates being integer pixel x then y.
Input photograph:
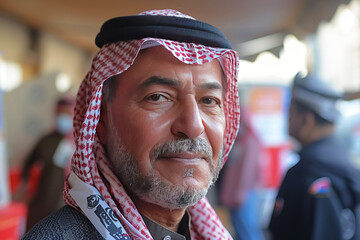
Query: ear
{"type": "Point", "coordinates": [101, 127]}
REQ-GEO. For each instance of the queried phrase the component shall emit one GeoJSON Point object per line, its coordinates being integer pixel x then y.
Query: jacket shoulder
{"type": "Point", "coordinates": [66, 223]}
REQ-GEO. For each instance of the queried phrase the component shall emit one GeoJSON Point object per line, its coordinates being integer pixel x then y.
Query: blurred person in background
{"type": "Point", "coordinates": [52, 153]}
{"type": "Point", "coordinates": [241, 179]}
{"type": "Point", "coordinates": [320, 195]}
{"type": "Point", "coordinates": [155, 119]}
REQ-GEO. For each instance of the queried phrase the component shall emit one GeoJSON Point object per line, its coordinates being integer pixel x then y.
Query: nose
{"type": "Point", "coordinates": [188, 122]}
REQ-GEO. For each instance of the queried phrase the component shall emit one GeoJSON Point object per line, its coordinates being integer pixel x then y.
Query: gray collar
{"type": "Point", "coordinates": [158, 232]}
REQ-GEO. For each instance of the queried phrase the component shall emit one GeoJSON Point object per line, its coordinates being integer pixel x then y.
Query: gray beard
{"type": "Point", "coordinates": [152, 187]}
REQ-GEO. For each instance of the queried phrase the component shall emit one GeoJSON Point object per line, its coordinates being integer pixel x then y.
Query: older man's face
{"type": "Point", "coordinates": [165, 127]}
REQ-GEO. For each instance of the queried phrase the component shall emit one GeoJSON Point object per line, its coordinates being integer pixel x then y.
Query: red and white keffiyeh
{"type": "Point", "coordinates": [89, 162]}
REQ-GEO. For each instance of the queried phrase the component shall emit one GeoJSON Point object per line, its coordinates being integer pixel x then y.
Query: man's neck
{"type": "Point", "coordinates": [167, 218]}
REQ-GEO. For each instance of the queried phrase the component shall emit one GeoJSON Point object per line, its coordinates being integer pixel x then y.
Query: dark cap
{"type": "Point", "coordinates": [157, 26]}
{"type": "Point", "coordinates": [317, 95]}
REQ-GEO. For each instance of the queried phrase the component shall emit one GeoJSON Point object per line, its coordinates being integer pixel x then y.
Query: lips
{"type": "Point", "coordinates": [184, 157]}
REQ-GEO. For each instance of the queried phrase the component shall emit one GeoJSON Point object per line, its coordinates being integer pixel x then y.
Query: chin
{"type": "Point", "coordinates": [182, 201]}
{"type": "Point", "coordinates": [173, 196]}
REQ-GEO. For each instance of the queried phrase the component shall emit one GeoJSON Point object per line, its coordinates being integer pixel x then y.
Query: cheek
{"type": "Point", "coordinates": [141, 131]}
{"type": "Point", "coordinates": [291, 126]}
{"type": "Point", "coordinates": [291, 122]}
{"type": "Point", "coordinates": [295, 126]}
{"type": "Point", "coordinates": [214, 130]}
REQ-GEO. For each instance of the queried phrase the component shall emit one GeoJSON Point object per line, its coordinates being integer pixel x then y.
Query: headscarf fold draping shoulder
{"type": "Point", "coordinates": [89, 162]}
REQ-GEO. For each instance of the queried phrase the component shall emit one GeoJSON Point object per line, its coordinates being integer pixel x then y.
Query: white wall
{"type": "Point", "coordinates": [57, 55]}
{"type": "Point", "coordinates": [29, 113]}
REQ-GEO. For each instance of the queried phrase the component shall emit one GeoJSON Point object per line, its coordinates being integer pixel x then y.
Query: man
{"type": "Point", "coordinates": [319, 197]}
{"type": "Point", "coordinates": [52, 153]}
{"type": "Point", "coordinates": [154, 121]}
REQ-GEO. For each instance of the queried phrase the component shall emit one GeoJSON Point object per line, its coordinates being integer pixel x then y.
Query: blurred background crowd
{"type": "Point", "coordinates": [46, 48]}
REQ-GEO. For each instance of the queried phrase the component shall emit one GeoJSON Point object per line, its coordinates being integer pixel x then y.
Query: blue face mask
{"type": "Point", "coordinates": [64, 123]}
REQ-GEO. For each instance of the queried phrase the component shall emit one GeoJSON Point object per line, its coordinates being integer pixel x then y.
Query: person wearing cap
{"type": "Point", "coordinates": [155, 119]}
{"type": "Point", "coordinates": [320, 195]}
{"type": "Point", "coordinates": [52, 153]}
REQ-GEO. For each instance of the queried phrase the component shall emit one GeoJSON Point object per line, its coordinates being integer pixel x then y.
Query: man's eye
{"type": "Point", "coordinates": [156, 98]}
{"type": "Point", "coordinates": [210, 101]}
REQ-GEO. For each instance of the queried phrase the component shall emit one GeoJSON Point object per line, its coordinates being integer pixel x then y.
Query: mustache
{"type": "Point", "coordinates": [197, 146]}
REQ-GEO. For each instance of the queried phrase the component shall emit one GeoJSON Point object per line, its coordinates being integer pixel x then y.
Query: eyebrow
{"type": "Point", "coordinates": [211, 85]}
{"type": "Point", "coordinates": [156, 80]}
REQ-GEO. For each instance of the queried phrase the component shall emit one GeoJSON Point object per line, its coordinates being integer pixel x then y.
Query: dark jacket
{"type": "Point", "coordinates": [319, 196]}
{"type": "Point", "coordinates": [66, 223]}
